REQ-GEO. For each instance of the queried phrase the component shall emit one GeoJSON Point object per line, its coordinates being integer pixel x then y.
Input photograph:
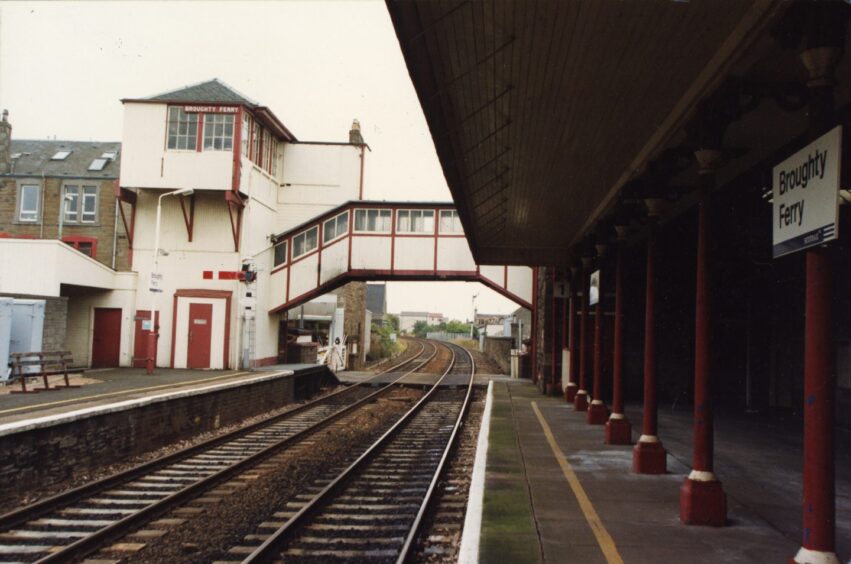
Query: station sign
{"type": "Point", "coordinates": [594, 288]}
{"type": "Point", "coordinates": [805, 195]}
{"type": "Point", "coordinates": [210, 109]}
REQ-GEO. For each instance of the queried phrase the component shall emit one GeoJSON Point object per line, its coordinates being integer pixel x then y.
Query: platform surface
{"type": "Point", "coordinates": [532, 513]}
{"type": "Point", "coordinates": [115, 385]}
{"type": "Point", "coordinates": [417, 379]}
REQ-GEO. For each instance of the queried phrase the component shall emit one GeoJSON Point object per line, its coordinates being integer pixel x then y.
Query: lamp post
{"type": "Point", "coordinates": [66, 197]}
{"type": "Point", "coordinates": [153, 335]}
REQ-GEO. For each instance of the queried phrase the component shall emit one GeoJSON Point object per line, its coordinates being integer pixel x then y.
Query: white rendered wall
{"type": "Point", "coordinates": [315, 179]}
{"type": "Point", "coordinates": [146, 163]}
{"type": "Point", "coordinates": [371, 253]}
{"type": "Point", "coordinates": [453, 253]}
{"type": "Point", "coordinates": [335, 260]}
{"type": "Point", "coordinates": [81, 323]}
{"type": "Point", "coordinates": [211, 249]}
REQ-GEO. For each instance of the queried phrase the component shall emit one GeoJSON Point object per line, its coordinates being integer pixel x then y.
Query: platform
{"type": "Point", "coordinates": [591, 508]}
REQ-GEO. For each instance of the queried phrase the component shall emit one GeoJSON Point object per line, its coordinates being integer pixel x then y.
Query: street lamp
{"type": "Point", "coordinates": [154, 284]}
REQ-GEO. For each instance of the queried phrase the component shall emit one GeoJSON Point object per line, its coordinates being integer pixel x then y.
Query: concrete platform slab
{"type": "Point", "coordinates": [418, 379]}
{"type": "Point", "coordinates": [539, 508]}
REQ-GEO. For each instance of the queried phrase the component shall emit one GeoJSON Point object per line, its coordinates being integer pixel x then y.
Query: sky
{"type": "Point", "coordinates": [65, 66]}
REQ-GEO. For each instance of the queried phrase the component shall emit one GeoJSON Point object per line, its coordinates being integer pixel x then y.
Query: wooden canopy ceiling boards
{"type": "Point", "coordinates": [542, 111]}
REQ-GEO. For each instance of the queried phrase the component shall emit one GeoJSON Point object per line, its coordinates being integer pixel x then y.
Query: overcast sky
{"type": "Point", "coordinates": [64, 66]}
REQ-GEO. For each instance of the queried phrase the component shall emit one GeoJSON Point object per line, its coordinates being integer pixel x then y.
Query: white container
{"type": "Point", "coordinates": [5, 336]}
{"type": "Point", "coordinates": [27, 328]}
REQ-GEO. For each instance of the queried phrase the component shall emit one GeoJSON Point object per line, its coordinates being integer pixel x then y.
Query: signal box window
{"type": "Point", "coordinates": [281, 253]}
{"type": "Point", "coordinates": [305, 242]}
{"type": "Point", "coordinates": [218, 132]}
{"type": "Point", "coordinates": [336, 227]}
{"type": "Point", "coordinates": [182, 129]}
{"type": "Point", "coordinates": [376, 221]}
{"type": "Point", "coordinates": [415, 221]}
{"type": "Point", "coordinates": [450, 222]}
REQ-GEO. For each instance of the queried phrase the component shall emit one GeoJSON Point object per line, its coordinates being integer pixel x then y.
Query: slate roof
{"type": "Point", "coordinates": [214, 91]}
{"type": "Point", "coordinates": [35, 158]}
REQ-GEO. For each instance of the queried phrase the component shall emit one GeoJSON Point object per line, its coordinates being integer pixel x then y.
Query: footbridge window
{"type": "Point", "coordinates": [450, 222]}
{"type": "Point", "coordinates": [373, 221]}
{"type": "Point", "coordinates": [281, 253]}
{"type": "Point", "coordinates": [305, 242]}
{"type": "Point", "coordinates": [415, 221]}
{"type": "Point", "coordinates": [336, 227]}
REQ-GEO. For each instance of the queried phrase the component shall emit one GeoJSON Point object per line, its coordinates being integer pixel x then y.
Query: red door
{"type": "Point", "coordinates": [200, 335]}
{"type": "Point", "coordinates": [107, 337]}
{"type": "Point", "coordinates": [140, 338]}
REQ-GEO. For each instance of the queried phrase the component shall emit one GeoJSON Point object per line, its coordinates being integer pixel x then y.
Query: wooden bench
{"type": "Point", "coordinates": [48, 363]}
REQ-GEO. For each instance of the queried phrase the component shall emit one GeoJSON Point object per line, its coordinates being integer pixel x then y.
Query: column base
{"type": "Point", "coordinates": [649, 457]}
{"type": "Point", "coordinates": [570, 392]}
{"type": "Point", "coordinates": [618, 430]}
{"type": "Point", "coordinates": [810, 556]}
{"type": "Point", "coordinates": [580, 402]}
{"type": "Point", "coordinates": [703, 502]}
{"type": "Point", "coordinates": [598, 413]}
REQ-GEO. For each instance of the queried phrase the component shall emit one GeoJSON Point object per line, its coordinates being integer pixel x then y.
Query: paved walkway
{"type": "Point", "coordinates": [555, 493]}
{"type": "Point", "coordinates": [115, 385]}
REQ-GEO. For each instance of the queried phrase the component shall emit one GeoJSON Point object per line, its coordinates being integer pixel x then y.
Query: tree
{"type": "Point", "coordinates": [392, 321]}
{"type": "Point", "coordinates": [420, 329]}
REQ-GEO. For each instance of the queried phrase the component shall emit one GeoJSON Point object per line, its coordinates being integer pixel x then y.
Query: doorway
{"type": "Point", "coordinates": [106, 340]}
{"type": "Point", "coordinates": [200, 335]}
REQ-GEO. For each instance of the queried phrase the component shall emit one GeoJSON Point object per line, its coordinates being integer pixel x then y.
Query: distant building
{"type": "Point", "coordinates": [407, 320]}
{"type": "Point", "coordinates": [34, 177]}
{"type": "Point", "coordinates": [436, 318]}
{"type": "Point", "coordinates": [483, 319]}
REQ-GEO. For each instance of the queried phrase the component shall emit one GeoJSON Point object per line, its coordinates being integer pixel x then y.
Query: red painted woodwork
{"type": "Point", "coordinates": [598, 413]}
{"type": "Point", "coordinates": [106, 339]}
{"type": "Point", "coordinates": [649, 456]}
{"type": "Point", "coordinates": [580, 401]}
{"type": "Point", "coordinates": [618, 427]}
{"type": "Point", "coordinates": [570, 390]}
{"type": "Point", "coordinates": [200, 335]}
{"type": "Point", "coordinates": [140, 349]}
{"type": "Point", "coordinates": [210, 294]}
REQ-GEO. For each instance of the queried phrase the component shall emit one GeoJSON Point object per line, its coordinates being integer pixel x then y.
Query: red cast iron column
{"type": "Point", "coordinates": [580, 402]}
{"type": "Point", "coordinates": [702, 498]}
{"type": "Point", "coordinates": [819, 504]}
{"type": "Point", "coordinates": [618, 427]}
{"type": "Point", "coordinates": [597, 411]}
{"type": "Point", "coordinates": [570, 390]}
{"type": "Point", "coordinates": [649, 456]}
{"type": "Point", "coordinates": [553, 387]}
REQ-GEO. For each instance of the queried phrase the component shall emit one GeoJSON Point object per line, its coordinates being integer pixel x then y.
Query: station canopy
{"type": "Point", "coordinates": [541, 112]}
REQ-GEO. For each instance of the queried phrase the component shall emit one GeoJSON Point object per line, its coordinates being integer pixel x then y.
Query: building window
{"type": "Point", "coordinates": [274, 164]}
{"type": "Point", "coordinates": [245, 134]}
{"type": "Point", "coordinates": [81, 204]}
{"type": "Point", "coordinates": [267, 151]}
{"type": "Point", "coordinates": [375, 221]}
{"type": "Point", "coordinates": [336, 227]}
{"type": "Point", "coordinates": [86, 245]}
{"type": "Point", "coordinates": [29, 204]}
{"type": "Point", "coordinates": [218, 132]}
{"type": "Point", "coordinates": [255, 142]}
{"type": "Point", "coordinates": [415, 221]}
{"type": "Point", "coordinates": [450, 222]}
{"type": "Point", "coordinates": [305, 242]}
{"type": "Point", "coordinates": [182, 129]}
{"type": "Point", "coordinates": [60, 155]}
{"type": "Point", "coordinates": [281, 253]}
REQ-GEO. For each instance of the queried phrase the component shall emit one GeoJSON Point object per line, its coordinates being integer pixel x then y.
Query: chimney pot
{"type": "Point", "coordinates": [355, 137]}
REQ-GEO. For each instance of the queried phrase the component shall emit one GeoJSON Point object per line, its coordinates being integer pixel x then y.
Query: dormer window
{"type": "Point", "coordinates": [60, 155]}
{"type": "Point", "coordinates": [182, 129]}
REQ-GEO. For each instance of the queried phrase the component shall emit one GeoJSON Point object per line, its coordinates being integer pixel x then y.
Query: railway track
{"type": "Point", "coordinates": [373, 509]}
{"type": "Point", "coordinates": [76, 523]}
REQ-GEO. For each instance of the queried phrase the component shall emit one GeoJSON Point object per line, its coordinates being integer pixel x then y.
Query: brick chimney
{"type": "Point", "coordinates": [355, 138]}
{"type": "Point", "coordinates": [5, 144]}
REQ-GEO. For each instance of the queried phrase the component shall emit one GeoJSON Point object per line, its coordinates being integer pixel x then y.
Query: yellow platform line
{"type": "Point", "coordinates": [39, 406]}
{"type": "Point", "coordinates": [604, 539]}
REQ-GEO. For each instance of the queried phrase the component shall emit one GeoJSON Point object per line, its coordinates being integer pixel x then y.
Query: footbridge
{"type": "Point", "coordinates": [367, 240]}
